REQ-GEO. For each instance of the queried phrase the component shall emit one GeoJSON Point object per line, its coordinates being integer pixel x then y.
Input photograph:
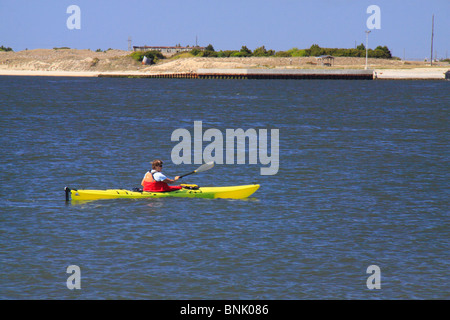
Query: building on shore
{"type": "Point", "coordinates": [167, 51]}
{"type": "Point", "coordinates": [325, 60]}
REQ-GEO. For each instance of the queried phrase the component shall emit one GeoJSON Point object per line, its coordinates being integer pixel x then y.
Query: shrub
{"type": "Point", "coordinates": [227, 53]}
{"type": "Point", "coordinates": [385, 52]}
{"type": "Point", "coordinates": [262, 52]}
{"type": "Point", "coordinates": [153, 55]}
{"type": "Point", "coordinates": [209, 53]}
{"type": "Point", "coordinates": [295, 52]}
{"type": "Point", "coordinates": [241, 54]}
{"type": "Point", "coordinates": [245, 52]}
{"type": "Point", "coordinates": [94, 62]}
{"type": "Point", "coordinates": [195, 52]}
{"type": "Point", "coordinates": [282, 54]}
{"type": "Point", "coordinates": [316, 51]}
{"type": "Point", "coordinates": [2, 48]}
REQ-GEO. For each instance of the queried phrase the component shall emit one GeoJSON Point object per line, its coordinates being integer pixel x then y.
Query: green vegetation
{"type": "Point", "coordinates": [195, 52]}
{"type": "Point", "coordinates": [153, 56]}
{"type": "Point", "coordinates": [180, 55]}
{"type": "Point", "coordinates": [314, 51]}
{"type": "Point", "coordinates": [2, 48]}
{"type": "Point", "coordinates": [94, 62]}
{"type": "Point", "coordinates": [360, 51]}
{"type": "Point", "coordinates": [100, 50]}
{"type": "Point", "coordinates": [209, 51]}
{"type": "Point", "coordinates": [262, 52]}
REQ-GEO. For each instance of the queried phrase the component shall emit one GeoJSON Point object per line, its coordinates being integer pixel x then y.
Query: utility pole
{"type": "Point", "coordinates": [129, 43]}
{"type": "Point", "coordinates": [367, 45]}
{"type": "Point", "coordinates": [432, 35]}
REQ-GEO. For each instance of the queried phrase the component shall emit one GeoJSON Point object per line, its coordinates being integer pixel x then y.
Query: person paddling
{"type": "Point", "coordinates": [155, 181]}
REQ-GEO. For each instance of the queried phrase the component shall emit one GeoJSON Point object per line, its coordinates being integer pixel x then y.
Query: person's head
{"type": "Point", "coordinates": [157, 164]}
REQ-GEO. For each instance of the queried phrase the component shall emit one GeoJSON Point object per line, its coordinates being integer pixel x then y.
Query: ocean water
{"type": "Point", "coordinates": [363, 180]}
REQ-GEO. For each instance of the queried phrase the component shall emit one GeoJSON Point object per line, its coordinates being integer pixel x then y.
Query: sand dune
{"type": "Point", "coordinates": [86, 63]}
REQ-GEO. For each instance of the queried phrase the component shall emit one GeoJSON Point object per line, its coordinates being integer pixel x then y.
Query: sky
{"type": "Point", "coordinates": [404, 26]}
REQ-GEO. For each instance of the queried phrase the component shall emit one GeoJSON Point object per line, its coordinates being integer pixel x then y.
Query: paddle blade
{"type": "Point", "coordinates": [205, 167]}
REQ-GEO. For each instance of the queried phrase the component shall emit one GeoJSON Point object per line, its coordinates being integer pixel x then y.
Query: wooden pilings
{"type": "Point", "coordinates": [276, 74]}
{"type": "Point", "coordinates": [180, 75]}
{"type": "Point", "coordinates": [287, 76]}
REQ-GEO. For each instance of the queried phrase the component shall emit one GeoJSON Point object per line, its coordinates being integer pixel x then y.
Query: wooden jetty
{"type": "Point", "coordinates": [347, 74]}
{"type": "Point", "coordinates": [338, 74]}
{"type": "Point", "coordinates": [165, 75]}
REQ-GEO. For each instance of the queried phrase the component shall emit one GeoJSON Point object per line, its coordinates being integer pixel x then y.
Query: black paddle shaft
{"type": "Point", "coordinates": [184, 175]}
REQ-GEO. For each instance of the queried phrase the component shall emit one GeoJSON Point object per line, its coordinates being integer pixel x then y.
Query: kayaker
{"type": "Point", "coordinates": [155, 181]}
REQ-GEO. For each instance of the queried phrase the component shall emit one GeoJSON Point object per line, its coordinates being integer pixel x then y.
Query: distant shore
{"type": "Point", "coordinates": [382, 74]}
{"type": "Point", "coordinates": [86, 63]}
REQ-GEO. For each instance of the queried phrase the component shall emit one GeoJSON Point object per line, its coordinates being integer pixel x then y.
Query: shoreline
{"type": "Point", "coordinates": [119, 63]}
{"type": "Point", "coordinates": [379, 74]}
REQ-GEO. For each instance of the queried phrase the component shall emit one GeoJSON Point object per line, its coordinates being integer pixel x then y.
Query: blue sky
{"type": "Point", "coordinates": [227, 24]}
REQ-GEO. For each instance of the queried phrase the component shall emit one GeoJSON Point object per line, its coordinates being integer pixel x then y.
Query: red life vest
{"type": "Point", "coordinates": [151, 185]}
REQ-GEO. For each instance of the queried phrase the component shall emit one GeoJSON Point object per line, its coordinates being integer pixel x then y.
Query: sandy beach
{"type": "Point", "coordinates": [436, 73]}
{"type": "Point", "coordinates": [86, 63]}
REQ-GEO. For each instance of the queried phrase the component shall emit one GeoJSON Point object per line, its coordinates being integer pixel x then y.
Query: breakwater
{"type": "Point", "coordinates": [344, 74]}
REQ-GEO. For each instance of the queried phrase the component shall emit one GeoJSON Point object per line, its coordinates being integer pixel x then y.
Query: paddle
{"type": "Point", "coordinates": [202, 168]}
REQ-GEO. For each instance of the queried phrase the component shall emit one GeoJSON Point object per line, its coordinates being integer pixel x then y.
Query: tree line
{"type": "Point", "coordinates": [2, 48]}
{"type": "Point", "coordinates": [314, 51]}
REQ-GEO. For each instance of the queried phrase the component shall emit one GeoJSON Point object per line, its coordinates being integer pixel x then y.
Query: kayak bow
{"type": "Point", "coordinates": [229, 192]}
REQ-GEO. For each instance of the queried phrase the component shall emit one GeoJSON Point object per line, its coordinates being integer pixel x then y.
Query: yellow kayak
{"type": "Point", "coordinates": [229, 192]}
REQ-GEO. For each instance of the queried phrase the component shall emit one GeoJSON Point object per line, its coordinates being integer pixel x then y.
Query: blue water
{"type": "Point", "coordinates": [363, 180]}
